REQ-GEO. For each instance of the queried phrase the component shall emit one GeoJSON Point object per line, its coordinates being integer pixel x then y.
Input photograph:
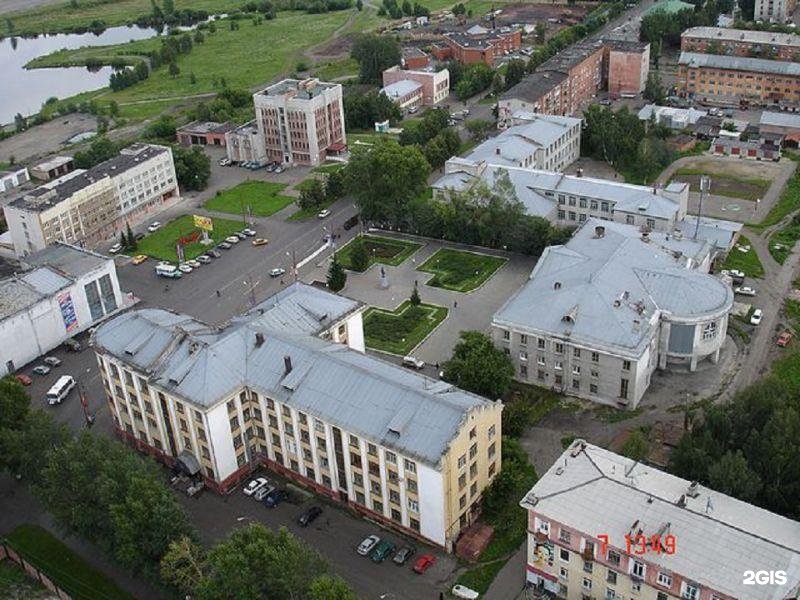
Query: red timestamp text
{"type": "Point", "coordinates": [642, 544]}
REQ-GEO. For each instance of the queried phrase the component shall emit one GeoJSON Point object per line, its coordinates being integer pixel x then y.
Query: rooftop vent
{"type": "Point", "coordinates": [645, 237]}
{"type": "Point", "coordinates": [681, 503]}
{"type": "Point", "coordinates": [599, 231]}
{"type": "Point", "coordinates": [287, 364]}
{"type": "Point", "coordinates": [259, 339]}
{"type": "Point", "coordinates": [694, 490]}
{"type": "Point", "coordinates": [579, 173]}
{"type": "Point", "coordinates": [557, 285]}
{"type": "Point", "coordinates": [497, 151]}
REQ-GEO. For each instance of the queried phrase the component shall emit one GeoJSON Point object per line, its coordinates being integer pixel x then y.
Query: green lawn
{"type": "Point", "coordinates": [68, 570]}
{"type": "Point", "coordinates": [264, 198]}
{"type": "Point", "coordinates": [387, 251]}
{"type": "Point", "coordinates": [782, 241]}
{"type": "Point", "coordinates": [788, 202]}
{"type": "Point", "coordinates": [460, 271]}
{"type": "Point", "coordinates": [402, 330]}
{"type": "Point", "coordinates": [347, 67]}
{"type": "Point", "coordinates": [725, 184]}
{"type": "Point", "coordinates": [328, 168]}
{"type": "Point", "coordinates": [747, 262]}
{"type": "Point", "coordinates": [161, 244]}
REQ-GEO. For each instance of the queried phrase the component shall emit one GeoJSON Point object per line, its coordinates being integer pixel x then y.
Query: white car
{"type": "Point", "coordinates": [232, 239]}
{"type": "Point", "coordinates": [154, 226]}
{"type": "Point", "coordinates": [745, 291]}
{"type": "Point", "coordinates": [733, 273]}
{"type": "Point", "coordinates": [193, 263]}
{"type": "Point", "coordinates": [368, 544]}
{"type": "Point", "coordinates": [52, 361]}
{"type": "Point", "coordinates": [248, 232]}
{"type": "Point", "coordinates": [115, 249]}
{"type": "Point", "coordinates": [185, 268]}
{"type": "Point", "coordinates": [755, 319]}
{"type": "Point", "coordinates": [277, 272]}
{"type": "Point", "coordinates": [461, 591]}
{"type": "Point", "coordinates": [204, 260]}
{"type": "Point", "coordinates": [261, 493]}
{"type": "Point", "coordinates": [255, 485]}
{"type": "Point", "coordinates": [323, 213]}
{"type": "Point", "coordinates": [413, 362]}
{"type": "Point", "coordinates": [224, 162]}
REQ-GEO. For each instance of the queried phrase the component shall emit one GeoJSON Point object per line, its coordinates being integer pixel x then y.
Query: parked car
{"type": "Point", "coordinates": [278, 170]}
{"type": "Point", "coordinates": [204, 259]}
{"type": "Point", "coordinates": [41, 369]}
{"type": "Point", "coordinates": [745, 291]}
{"type": "Point", "coordinates": [52, 361]}
{"type": "Point", "coordinates": [784, 339]}
{"type": "Point", "coordinates": [271, 166]}
{"type": "Point", "coordinates": [260, 242]}
{"type": "Point", "coordinates": [259, 495]}
{"type": "Point", "coordinates": [402, 555]}
{"type": "Point", "coordinates": [350, 223]}
{"type": "Point", "coordinates": [139, 236]}
{"type": "Point", "coordinates": [254, 485]}
{"type": "Point", "coordinates": [413, 362]}
{"type": "Point", "coordinates": [224, 162]}
{"type": "Point", "coordinates": [248, 232]}
{"type": "Point", "coordinates": [382, 551]}
{"type": "Point", "coordinates": [232, 239]}
{"type": "Point", "coordinates": [213, 253]}
{"type": "Point", "coordinates": [277, 272]}
{"type": "Point", "coordinates": [305, 519]}
{"type": "Point", "coordinates": [274, 497]}
{"type": "Point", "coordinates": [756, 317]}
{"type": "Point", "coordinates": [115, 249]}
{"type": "Point", "coordinates": [462, 591]}
{"type": "Point", "coordinates": [246, 164]}
{"type": "Point", "coordinates": [23, 379]}
{"type": "Point", "coordinates": [185, 268]}
{"type": "Point", "coordinates": [195, 264]}
{"type": "Point", "coordinates": [323, 213]}
{"type": "Point", "coordinates": [240, 235]}
{"type": "Point", "coordinates": [139, 259]}
{"type": "Point", "coordinates": [423, 563]}
{"type": "Point", "coordinates": [736, 273]}
{"type": "Point", "coordinates": [224, 245]}
{"type": "Point", "coordinates": [72, 345]}
{"type": "Point", "coordinates": [154, 226]}
{"type": "Point", "coordinates": [368, 544]}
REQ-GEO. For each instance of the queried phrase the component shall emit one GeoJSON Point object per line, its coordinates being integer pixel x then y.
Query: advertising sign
{"type": "Point", "coordinates": [68, 311]}
{"type": "Point", "coordinates": [203, 222]}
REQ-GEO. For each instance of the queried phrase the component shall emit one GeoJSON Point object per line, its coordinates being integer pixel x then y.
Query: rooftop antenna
{"type": "Point", "coordinates": [705, 188]}
{"type": "Point", "coordinates": [709, 505]}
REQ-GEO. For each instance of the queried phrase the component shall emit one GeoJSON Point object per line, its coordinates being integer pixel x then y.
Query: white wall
{"type": "Point", "coordinates": [355, 332]}
{"type": "Point", "coordinates": [221, 441]}
{"type": "Point", "coordinates": [431, 504]}
{"type": "Point", "coordinates": [13, 179]}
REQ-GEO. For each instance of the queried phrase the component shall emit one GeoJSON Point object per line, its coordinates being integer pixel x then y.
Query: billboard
{"type": "Point", "coordinates": [203, 222]}
{"type": "Point", "coordinates": [68, 311]}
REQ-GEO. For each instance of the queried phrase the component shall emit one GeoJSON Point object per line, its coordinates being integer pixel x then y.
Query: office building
{"type": "Point", "coordinates": [701, 544]}
{"type": "Point", "coordinates": [627, 65]}
{"type": "Point", "coordinates": [745, 43]}
{"type": "Point", "coordinates": [434, 86]}
{"type": "Point", "coordinates": [288, 386]}
{"type": "Point", "coordinates": [203, 133]}
{"type": "Point", "coordinates": [301, 121]}
{"type": "Point", "coordinates": [245, 144]}
{"type": "Point", "coordinates": [405, 93]}
{"type": "Point", "coordinates": [85, 207]}
{"type": "Point", "coordinates": [60, 292]}
{"type": "Point", "coordinates": [602, 312]}
{"type": "Point", "coordinates": [478, 44]}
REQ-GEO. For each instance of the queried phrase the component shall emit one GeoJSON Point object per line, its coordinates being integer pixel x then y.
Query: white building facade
{"type": "Point", "coordinates": [245, 143]}
{"type": "Point", "coordinates": [13, 178]}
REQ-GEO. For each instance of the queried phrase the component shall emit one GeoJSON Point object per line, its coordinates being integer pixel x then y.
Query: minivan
{"type": "Point", "coordinates": [60, 389]}
{"type": "Point", "coordinates": [168, 270]}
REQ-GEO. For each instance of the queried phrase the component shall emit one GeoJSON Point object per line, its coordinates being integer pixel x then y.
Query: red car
{"type": "Point", "coordinates": [423, 563]}
{"type": "Point", "coordinates": [785, 338]}
{"type": "Point", "coordinates": [23, 379]}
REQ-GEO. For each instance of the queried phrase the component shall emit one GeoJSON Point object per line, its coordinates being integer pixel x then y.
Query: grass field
{"type": "Point", "coordinates": [382, 250]}
{"type": "Point", "coordinates": [347, 67]}
{"type": "Point", "coordinates": [460, 271]}
{"type": "Point", "coordinates": [264, 198]}
{"type": "Point", "coordinates": [747, 262]}
{"type": "Point", "coordinates": [161, 244]}
{"type": "Point", "coordinates": [247, 57]}
{"type": "Point", "coordinates": [782, 241]}
{"type": "Point", "coordinates": [725, 184]}
{"type": "Point", "coordinates": [402, 330]}
{"type": "Point", "coordinates": [68, 570]}
{"type": "Point", "coordinates": [788, 202]}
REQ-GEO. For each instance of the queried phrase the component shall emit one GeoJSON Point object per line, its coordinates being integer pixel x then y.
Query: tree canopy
{"type": "Point", "coordinates": [478, 366]}
{"type": "Point", "coordinates": [192, 167]}
{"type": "Point", "coordinates": [374, 54]}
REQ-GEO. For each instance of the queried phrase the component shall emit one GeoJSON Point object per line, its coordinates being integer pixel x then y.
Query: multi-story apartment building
{"type": "Point", "coordinates": [604, 526]}
{"type": "Point", "coordinates": [563, 84]}
{"type": "Point", "coordinates": [245, 144]}
{"type": "Point", "coordinates": [301, 121]}
{"type": "Point", "coordinates": [733, 79]}
{"type": "Point", "coordinates": [435, 85]}
{"type": "Point", "coordinates": [741, 42]}
{"type": "Point", "coordinates": [775, 11]}
{"type": "Point", "coordinates": [87, 206]}
{"type": "Point", "coordinates": [288, 386]}
{"type": "Point", "coordinates": [535, 141]}
{"type": "Point", "coordinates": [478, 45]}
{"type": "Point", "coordinates": [602, 312]}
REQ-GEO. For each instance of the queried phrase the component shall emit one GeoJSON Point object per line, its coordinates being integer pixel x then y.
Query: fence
{"type": "Point", "coordinates": [7, 551]}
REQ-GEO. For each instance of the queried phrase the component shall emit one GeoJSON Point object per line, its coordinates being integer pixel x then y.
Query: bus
{"type": "Point", "coordinates": [168, 270]}
{"type": "Point", "coordinates": [60, 389]}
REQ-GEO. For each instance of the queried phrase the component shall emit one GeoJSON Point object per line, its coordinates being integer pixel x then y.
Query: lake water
{"type": "Point", "coordinates": [25, 90]}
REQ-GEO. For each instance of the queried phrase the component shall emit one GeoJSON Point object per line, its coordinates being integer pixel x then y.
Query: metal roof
{"type": "Point", "coordinates": [780, 119]}
{"type": "Point", "coordinates": [534, 86]}
{"type": "Point", "coordinates": [719, 537]}
{"type": "Point", "coordinates": [739, 63]}
{"type": "Point", "coordinates": [400, 89]}
{"type": "Point", "coordinates": [614, 288]}
{"type": "Point", "coordinates": [742, 35]}
{"type": "Point", "coordinates": [354, 391]}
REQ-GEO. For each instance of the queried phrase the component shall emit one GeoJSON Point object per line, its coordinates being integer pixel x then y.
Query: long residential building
{"type": "Point", "coordinates": [60, 292]}
{"type": "Point", "coordinates": [478, 44]}
{"type": "Point", "coordinates": [775, 11]}
{"type": "Point", "coordinates": [601, 313]}
{"type": "Point", "coordinates": [742, 42]}
{"type": "Point", "coordinates": [588, 514]}
{"type": "Point", "coordinates": [85, 207]}
{"type": "Point", "coordinates": [288, 386]}
{"type": "Point", "coordinates": [732, 79]}
{"type": "Point", "coordinates": [301, 121]}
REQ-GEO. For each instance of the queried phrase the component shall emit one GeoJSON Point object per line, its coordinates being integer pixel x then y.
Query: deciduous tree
{"type": "Point", "coordinates": [478, 366]}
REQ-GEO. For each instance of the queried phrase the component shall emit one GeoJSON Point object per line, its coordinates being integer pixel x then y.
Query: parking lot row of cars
{"type": "Point", "coordinates": [261, 490]}
{"type": "Point", "coordinates": [253, 165]}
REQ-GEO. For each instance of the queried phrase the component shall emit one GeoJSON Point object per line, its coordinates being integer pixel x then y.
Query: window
{"type": "Point", "coordinates": [595, 357]}
{"type": "Point", "coordinates": [523, 339]}
{"type": "Point", "coordinates": [391, 457]}
{"type": "Point", "coordinates": [587, 584]}
{"type": "Point", "coordinates": [588, 567]}
{"type": "Point", "coordinates": [690, 591]}
{"type": "Point", "coordinates": [462, 481]}
{"type": "Point", "coordinates": [491, 432]}
{"type": "Point", "coordinates": [651, 223]}
{"type": "Point", "coordinates": [623, 388]}
{"type": "Point", "coordinates": [377, 506]}
{"type": "Point", "coordinates": [523, 355]}
{"type": "Point", "coordinates": [462, 461]}
{"type": "Point", "coordinates": [491, 470]}
{"type": "Point", "coordinates": [540, 375]}
{"type": "Point", "coordinates": [558, 365]}
{"type": "Point", "coordinates": [540, 361]}
{"type": "Point", "coordinates": [523, 371]}
{"type": "Point", "coordinates": [462, 502]}
{"type": "Point", "coordinates": [636, 587]}
{"type": "Point", "coordinates": [604, 206]}
{"type": "Point", "coordinates": [710, 330]}
{"type": "Point", "coordinates": [630, 219]}
{"type": "Point", "coordinates": [564, 535]}
{"type": "Point", "coordinates": [660, 595]}
{"type": "Point", "coordinates": [611, 577]}
{"type": "Point", "coordinates": [540, 343]}
{"type": "Point", "coordinates": [506, 334]}
{"type": "Point", "coordinates": [564, 555]}
{"type": "Point", "coordinates": [473, 450]}
{"type": "Point", "coordinates": [410, 466]}
{"type": "Point", "coordinates": [354, 441]}
{"type": "Point", "coordinates": [558, 348]}
{"type": "Point", "coordinates": [576, 352]}
{"type": "Point", "coordinates": [576, 369]}
{"type": "Point", "coordinates": [491, 451]}
{"type": "Point", "coordinates": [394, 496]}
{"type": "Point", "coordinates": [372, 450]}
{"type": "Point", "coordinates": [611, 594]}
{"type": "Point", "coordinates": [473, 470]}
{"type": "Point", "coordinates": [411, 485]}
{"type": "Point", "coordinates": [563, 573]}
{"type": "Point", "coordinates": [665, 579]}
{"type": "Point", "coordinates": [613, 557]}
{"type": "Point", "coordinates": [576, 384]}
{"type": "Point", "coordinates": [637, 570]}
{"type": "Point", "coordinates": [626, 365]}
{"type": "Point", "coordinates": [413, 505]}
{"type": "Point", "coordinates": [561, 215]}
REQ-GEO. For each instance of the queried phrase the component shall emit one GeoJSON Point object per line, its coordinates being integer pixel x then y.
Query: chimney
{"type": "Point", "coordinates": [287, 364]}
{"type": "Point", "coordinates": [557, 285]}
{"type": "Point", "coordinates": [599, 231]}
{"type": "Point", "coordinates": [579, 172]}
{"type": "Point", "coordinates": [645, 236]}
{"type": "Point", "coordinates": [682, 501]}
{"type": "Point", "coordinates": [259, 339]}
{"type": "Point", "coordinates": [497, 151]}
{"type": "Point", "coordinates": [694, 490]}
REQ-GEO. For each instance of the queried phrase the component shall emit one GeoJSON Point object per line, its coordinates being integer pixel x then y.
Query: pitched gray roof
{"type": "Point", "coordinates": [613, 287]}
{"type": "Point", "coordinates": [742, 35]}
{"type": "Point", "coordinates": [718, 537]}
{"type": "Point", "coordinates": [770, 117]}
{"type": "Point", "coordinates": [395, 407]}
{"type": "Point", "coordinates": [739, 63]}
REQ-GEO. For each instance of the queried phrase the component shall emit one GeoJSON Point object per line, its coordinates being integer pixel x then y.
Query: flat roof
{"type": "Point", "coordinates": [305, 89]}
{"type": "Point", "coordinates": [402, 88]}
{"type": "Point", "coordinates": [626, 45]}
{"type": "Point", "coordinates": [780, 119]}
{"type": "Point", "coordinates": [571, 56]}
{"type": "Point", "coordinates": [669, 6]}
{"type": "Point", "coordinates": [534, 86]}
{"type": "Point", "coordinates": [53, 162]}
{"type": "Point", "coordinates": [739, 63]}
{"type": "Point", "coordinates": [521, 141]}
{"type": "Point", "coordinates": [205, 127]}
{"type": "Point", "coordinates": [719, 537]}
{"type": "Point", "coordinates": [743, 35]}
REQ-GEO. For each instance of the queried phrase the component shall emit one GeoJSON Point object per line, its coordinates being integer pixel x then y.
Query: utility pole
{"type": "Point", "coordinates": [85, 405]}
{"type": "Point", "coordinates": [705, 188]}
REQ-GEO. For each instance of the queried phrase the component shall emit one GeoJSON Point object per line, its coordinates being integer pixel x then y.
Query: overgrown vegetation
{"type": "Point", "coordinates": [746, 262]}
{"type": "Point", "coordinates": [788, 202]}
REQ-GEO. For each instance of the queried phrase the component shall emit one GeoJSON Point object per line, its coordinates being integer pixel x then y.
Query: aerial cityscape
{"type": "Point", "coordinates": [371, 299]}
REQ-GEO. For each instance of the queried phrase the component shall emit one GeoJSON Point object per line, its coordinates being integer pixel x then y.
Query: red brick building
{"type": "Point", "coordinates": [208, 133]}
{"type": "Point", "coordinates": [627, 63]}
{"type": "Point", "coordinates": [742, 42]}
{"type": "Point", "coordinates": [414, 58]}
{"type": "Point", "coordinates": [482, 45]}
